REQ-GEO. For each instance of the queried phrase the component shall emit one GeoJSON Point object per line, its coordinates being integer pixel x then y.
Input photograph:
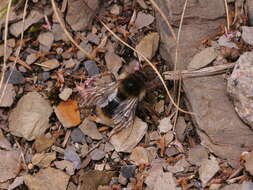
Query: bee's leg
{"type": "Point", "coordinates": [119, 129]}
{"type": "Point", "coordinates": [92, 117]}
{"type": "Point", "coordinates": [154, 63]}
{"type": "Point", "coordinates": [115, 131]}
{"type": "Point", "coordinates": [108, 74]}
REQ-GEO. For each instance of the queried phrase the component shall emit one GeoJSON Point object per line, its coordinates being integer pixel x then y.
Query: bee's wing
{"type": "Point", "coordinates": [98, 94]}
{"type": "Point", "coordinates": [124, 114]}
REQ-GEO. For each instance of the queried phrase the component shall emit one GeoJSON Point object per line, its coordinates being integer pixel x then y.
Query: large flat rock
{"type": "Point", "coordinates": [218, 125]}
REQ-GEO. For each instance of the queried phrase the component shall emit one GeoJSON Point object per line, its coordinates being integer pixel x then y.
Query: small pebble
{"type": "Point", "coordinates": [65, 94]}
{"type": "Point", "coordinates": [97, 154]}
{"type": "Point", "coordinates": [78, 136]}
{"type": "Point", "coordinates": [128, 171]}
{"type": "Point", "coordinates": [16, 77]}
{"type": "Point", "coordinates": [91, 68]}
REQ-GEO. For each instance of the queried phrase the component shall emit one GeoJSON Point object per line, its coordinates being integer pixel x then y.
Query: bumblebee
{"type": "Point", "coordinates": [116, 101]}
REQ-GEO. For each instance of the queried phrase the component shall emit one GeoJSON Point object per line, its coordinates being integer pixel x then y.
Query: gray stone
{"type": "Point", "coordinates": [180, 128]}
{"type": "Point", "coordinates": [207, 170]}
{"type": "Point", "coordinates": [89, 128]}
{"type": "Point", "coordinates": [247, 34]}
{"type": "Point", "coordinates": [81, 13]}
{"type": "Point", "coordinates": [78, 136]}
{"type": "Point", "coordinates": [16, 77]}
{"type": "Point", "coordinates": [65, 94]}
{"type": "Point", "coordinates": [202, 59]}
{"type": "Point", "coordinates": [197, 154]}
{"type": "Point", "coordinates": [91, 68]}
{"type": "Point", "coordinates": [143, 20]}
{"type": "Point", "coordinates": [240, 87]}
{"type": "Point", "coordinates": [97, 154]}
{"type": "Point", "coordinates": [87, 47]}
{"type": "Point", "coordinates": [128, 171]}
{"type": "Point", "coordinates": [165, 125]}
{"type": "Point", "coordinates": [46, 39]}
{"type": "Point", "coordinates": [17, 28]}
{"type": "Point", "coordinates": [93, 38]}
{"type": "Point", "coordinates": [216, 121]}
{"type": "Point", "coordinates": [73, 157]}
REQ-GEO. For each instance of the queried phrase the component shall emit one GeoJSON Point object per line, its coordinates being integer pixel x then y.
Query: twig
{"type": "Point", "coordinates": [5, 48]}
{"type": "Point", "coordinates": [208, 71]}
{"type": "Point", "coordinates": [66, 138]}
{"type": "Point", "coordinates": [226, 9]}
{"type": "Point", "coordinates": [16, 59]}
{"type": "Point", "coordinates": [176, 61]}
{"type": "Point", "coordinates": [19, 61]}
{"type": "Point", "coordinates": [41, 65]}
{"type": "Point", "coordinates": [152, 66]}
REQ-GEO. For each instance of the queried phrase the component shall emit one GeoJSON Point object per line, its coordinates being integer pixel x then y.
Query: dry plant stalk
{"type": "Point", "coordinates": [227, 14]}
{"type": "Point", "coordinates": [207, 71]}
{"type": "Point", "coordinates": [176, 61]}
{"type": "Point", "coordinates": [12, 58]}
{"type": "Point", "coordinates": [5, 48]}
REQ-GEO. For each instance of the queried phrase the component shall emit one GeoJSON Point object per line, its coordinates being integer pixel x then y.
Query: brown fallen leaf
{"type": "Point", "coordinates": [68, 113]}
{"type": "Point", "coordinates": [43, 142]}
{"type": "Point", "coordinates": [148, 45]}
{"type": "Point", "coordinates": [10, 162]}
{"type": "Point", "coordinates": [43, 159]}
{"type": "Point", "coordinates": [47, 179]}
{"type": "Point", "coordinates": [91, 179]}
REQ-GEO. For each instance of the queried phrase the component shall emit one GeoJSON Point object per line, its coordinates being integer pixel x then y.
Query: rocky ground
{"type": "Point", "coordinates": [48, 139]}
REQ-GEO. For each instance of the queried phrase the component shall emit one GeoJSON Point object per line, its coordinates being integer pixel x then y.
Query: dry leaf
{"type": "Point", "coordinates": [68, 113]}
{"type": "Point", "coordinates": [47, 179]}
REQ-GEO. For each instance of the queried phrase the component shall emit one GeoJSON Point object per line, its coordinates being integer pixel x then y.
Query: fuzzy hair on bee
{"type": "Point", "coordinates": [115, 101]}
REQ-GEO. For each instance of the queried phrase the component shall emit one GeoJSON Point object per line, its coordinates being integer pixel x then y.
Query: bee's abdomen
{"type": "Point", "coordinates": [110, 107]}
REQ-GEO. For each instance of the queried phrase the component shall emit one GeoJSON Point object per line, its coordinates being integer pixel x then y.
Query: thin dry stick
{"type": "Point", "coordinates": [66, 32]}
{"type": "Point", "coordinates": [226, 8]}
{"type": "Point", "coordinates": [5, 44]}
{"type": "Point", "coordinates": [18, 52]}
{"type": "Point", "coordinates": [207, 71]}
{"type": "Point", "coordinates": [165, 19]}
{"type": "Point", "coordinates": [176, 60]}
{"type": "Point", "coordinates": [152, 66]}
